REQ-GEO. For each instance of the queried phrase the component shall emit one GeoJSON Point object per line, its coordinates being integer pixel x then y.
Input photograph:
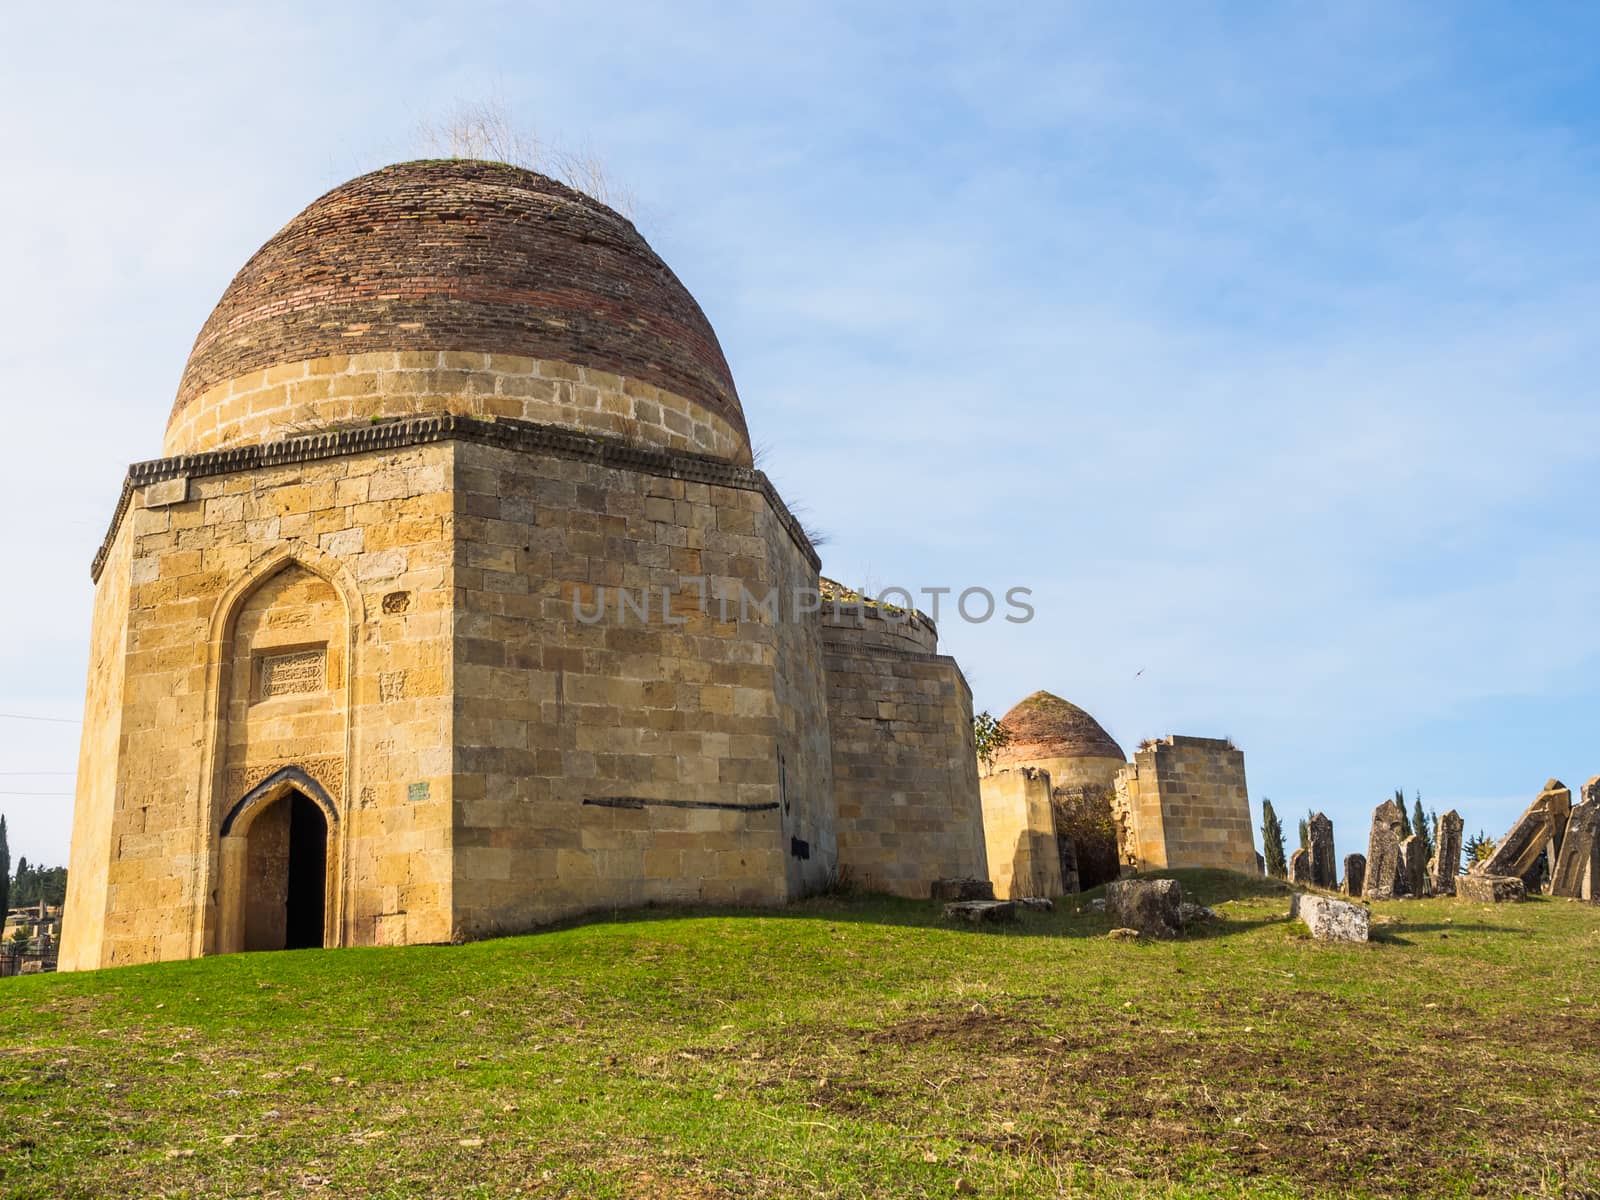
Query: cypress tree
{"type": "Point", "coordinates": [5, 871]}
{"type": "Point", "coordinates": [1272, 842]}
{"type": "Point", "coordinates": [1420, 826]}
{"type": "Point", "coordinates": [1405, 821]}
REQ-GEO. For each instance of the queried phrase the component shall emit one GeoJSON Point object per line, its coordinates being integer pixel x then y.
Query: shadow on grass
{"type": "Point", "coordinates": [1204, 886]}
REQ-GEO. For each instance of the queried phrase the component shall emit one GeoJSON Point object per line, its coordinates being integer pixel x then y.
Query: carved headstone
{"type": "Point", "coordinates": [1490, 889]}
{"type": "Point", "coordinates": [1300, 868]}
{"type": "Point", "coordinates": [1446, 854]}
{"type": "Point", "coordinates": [1383, 853]}
{"type": "Point", "coordinates": [1537, 831]}
{"type": "Point", "coordinates": [1355, 873]}
{"type": "Point", "coordinates": [1577, 870]}
{"type": "Point", "coordinates": [1324, 868]}
{"type": "Point", "coordinates": [1414, 865]}
{"type": "Point", "coordinates": [1332, 920]}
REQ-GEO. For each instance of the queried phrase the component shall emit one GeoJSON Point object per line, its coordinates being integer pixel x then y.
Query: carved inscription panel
{"type": "Point", "coordinates": [295, 673]}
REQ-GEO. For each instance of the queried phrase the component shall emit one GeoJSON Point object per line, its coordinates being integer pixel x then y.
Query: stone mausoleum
{"type": "Point", "coordinates": [1063, 808]}
{"type": "Point", "coordinates": [400, 640]}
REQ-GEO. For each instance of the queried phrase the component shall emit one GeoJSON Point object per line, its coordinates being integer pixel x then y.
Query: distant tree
{"type": "Point", "coordinates": [5, 871]}
{"type": "Point", "coordinates": [1420, 827]}
{"type": "Point", "coordinates": [33, 884]}
{"type": "Point", "coordinates": [991, 736]}
{"type": "Point", "coordinates": [1405, 821]}
{"type": "Point", "coordinates": [1272, 842]}
{"type": "Point", "coordinates": [1478, 847]}
{"type": "Point", "coordinates": [1303, 830]}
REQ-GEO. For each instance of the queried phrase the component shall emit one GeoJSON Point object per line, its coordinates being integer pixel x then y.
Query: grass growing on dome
{"type": "Point", "coordinates": [845, 1047]}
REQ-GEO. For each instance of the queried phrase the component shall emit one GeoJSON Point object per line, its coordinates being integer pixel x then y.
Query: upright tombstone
{"type": "Point", "coordinates": [1576, 874]}
{"type": "Point", "coordinates": [1383, 852]}
{"type": "Point", "coordinates": [1355, 873]}
{"type": "Point", "coordinates": [1324, 869]}
{"type": "Point", "coordinates": [1300, 868]}
{"type": "Point", "coordinates": [1537, 831]}
{"type": "Point", "coordinates": [1446, 854]}
{"type": "Point", "coordinates": [1413, 867]}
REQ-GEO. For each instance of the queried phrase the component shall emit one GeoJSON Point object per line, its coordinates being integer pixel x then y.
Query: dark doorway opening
{"type": "Point", "coordinates": [308, 874]}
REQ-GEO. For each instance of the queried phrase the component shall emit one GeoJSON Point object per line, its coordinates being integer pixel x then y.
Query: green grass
{"type": "Point", "coordinates": [845, 1047]}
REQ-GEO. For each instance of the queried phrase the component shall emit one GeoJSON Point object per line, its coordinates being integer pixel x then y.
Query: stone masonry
{"type": "Point", "coordinates": [1182, 802]}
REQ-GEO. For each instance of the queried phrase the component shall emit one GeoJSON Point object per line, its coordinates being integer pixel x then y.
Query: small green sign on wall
{"type": "Point", "coordinates": [417, 791]}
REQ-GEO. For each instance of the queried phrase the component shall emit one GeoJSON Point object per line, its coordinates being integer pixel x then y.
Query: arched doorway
{"type": "Point", "coordinates": [276, 877]}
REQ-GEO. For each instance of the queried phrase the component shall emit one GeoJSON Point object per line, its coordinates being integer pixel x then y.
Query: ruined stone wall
{"type": "Point", "coordinates": [1019, 833]}
{"type": "Point", "coordinates": [374, 527]}
{"type": "Point", "coordinates": [1182, 802]}
{"type": "Point", "coordinates": [905, 771]}
{"type": "Point", "coordinates": [644, 757]}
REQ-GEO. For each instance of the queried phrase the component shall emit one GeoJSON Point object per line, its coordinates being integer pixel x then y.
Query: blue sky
{"type": "Point", "coordinates": [1260, 341]}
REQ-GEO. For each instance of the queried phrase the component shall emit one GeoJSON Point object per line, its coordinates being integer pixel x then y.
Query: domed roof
{"type": "Point", "coordinates": [464, 255]}
{"type": "Point", "coordinates": [1046, 726]}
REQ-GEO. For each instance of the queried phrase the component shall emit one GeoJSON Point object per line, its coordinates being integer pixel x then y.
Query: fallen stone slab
{"type": "Point", "coordinates": [1036, 904]}
{"type": "Point", "coordinates": [1123, 935]}
{"type": "Point", "coordinates": [1152, 906]}
{"type": "Point", "coordinates": [1331, 920]}
{"type": "Point", "coordinates": [1194, 914]}
{"type": "Point", "coordinates": [1490, 889]}
{"type": "Point", "coordinates": [1537, 831]}
{"type": "Point", "coordinates": [962, 889]}
{"type": "Point", "coordinates": [981, 912]}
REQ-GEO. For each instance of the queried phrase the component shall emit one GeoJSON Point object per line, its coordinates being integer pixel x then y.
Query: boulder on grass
{"type": "Point", "coordinates": [981, 912]}
{"type": "Point", "coordinates": [962, 889]}
{"type": "Point", "coordinates": [1331, 920]}
{"type": "Point", "coordinates": [1490, 889]}
{"type": "Point", "coordinates": [1152, 906]}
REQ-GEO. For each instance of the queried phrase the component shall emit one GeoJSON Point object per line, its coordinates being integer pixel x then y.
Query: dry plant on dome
{"type": "Point", "coordinates": [485, 130]}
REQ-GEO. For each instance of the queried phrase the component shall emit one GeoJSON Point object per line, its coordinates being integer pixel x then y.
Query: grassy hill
{"type": "Point", "coordinates": [840, 1048]}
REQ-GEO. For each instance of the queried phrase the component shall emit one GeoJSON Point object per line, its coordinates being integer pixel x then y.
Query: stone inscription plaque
{"type": "Point", "coordinates": [294, 674]}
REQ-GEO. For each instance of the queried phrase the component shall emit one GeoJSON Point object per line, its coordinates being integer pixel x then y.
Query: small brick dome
{"type": "Point", "coordinates": [1046, 726]}
{"type": "Point", "coordinates": [460, 256]}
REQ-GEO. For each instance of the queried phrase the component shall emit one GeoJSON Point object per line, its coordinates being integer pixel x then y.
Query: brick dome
{"type": "Point", "coordinates": [1046, 726]}
{"type": "Point", "coordinates": [459, 258]}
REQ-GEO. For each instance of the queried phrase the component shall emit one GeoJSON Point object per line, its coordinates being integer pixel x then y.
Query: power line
{"type": "Point", "coordinates": [53, 720]}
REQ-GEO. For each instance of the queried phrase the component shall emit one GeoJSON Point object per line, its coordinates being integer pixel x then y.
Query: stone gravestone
{"type": "Point", "coordinates": [1446, 853]}
{"type": "Point", "coordinates": [1537, 831]}
{"type": "Point", "coordinates": [1413, 867]}
{"type": "Point", "coordinates": [1355, 873]}
{"type": "Point", "coordinates": [1300, 868]}
{"type": "Point", "coordinates": [1576, 874]}
{"type": "Point", "coordinates": [1383, 853]}
{"type": "Point", "coordinates": [1324, 869]}
{"type": "Point", "coordinates": [1490, 889]}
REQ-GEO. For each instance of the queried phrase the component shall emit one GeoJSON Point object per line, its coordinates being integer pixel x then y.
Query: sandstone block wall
{"type": "Point", "coordinates": [1182, 802]}
{"type": "Point", "coordinates": [645, 756]}
{"type": "Point", "coordinates": [349, 390]}
{"type": "Point", "coordinates": [905, 772]}
{"type": "Point", "coordinates": [1019, 833]}
{"type": "Point", "coordinates": [348, 558]}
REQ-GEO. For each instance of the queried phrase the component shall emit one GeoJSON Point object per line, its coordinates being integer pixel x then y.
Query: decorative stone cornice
{"type": "Point", "coordinates": [611, 452]}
